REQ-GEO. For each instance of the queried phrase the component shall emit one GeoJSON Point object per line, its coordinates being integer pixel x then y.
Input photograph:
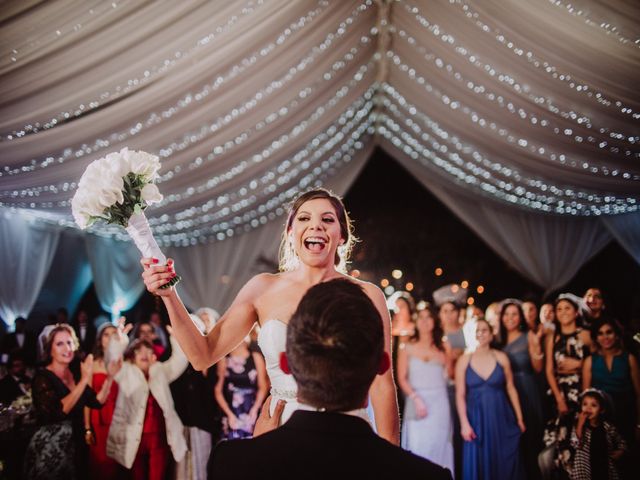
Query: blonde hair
{"type": "Point", "coordinates": [288, 259]}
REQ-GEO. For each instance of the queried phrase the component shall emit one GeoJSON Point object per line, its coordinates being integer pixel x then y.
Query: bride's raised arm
{"type": "Point", "coordinates": [233, 326]}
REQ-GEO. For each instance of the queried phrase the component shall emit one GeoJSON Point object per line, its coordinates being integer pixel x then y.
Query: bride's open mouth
{"type": "Point", "coordinates": [315, 244]}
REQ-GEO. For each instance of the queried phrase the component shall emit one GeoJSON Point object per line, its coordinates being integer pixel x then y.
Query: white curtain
{"type": "Point", "coordinates": [69, 275]}
{"type": "Point", "coordinates": [533, 104]}
{"type": "Point", "coordinates": [626, 230]}
{"type": "Point", "coordinates": [26, 250]}
{"type": "Point", "coordinates": [116, 271]}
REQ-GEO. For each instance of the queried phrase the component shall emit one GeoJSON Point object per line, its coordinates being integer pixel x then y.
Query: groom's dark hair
{"type": "Point", "coordinates": [335, 343]}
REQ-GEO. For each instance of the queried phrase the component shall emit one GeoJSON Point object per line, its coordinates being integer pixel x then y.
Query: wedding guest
{"type": "Point", "coordinates": [85, 331]}
{"type": "Point", "coordinates": [422, 375]}
{"type": "Point", "coordinates": [403, 308]}
{"type": "Point", "coordinates": [530, 315]}
{"type": "Point", "coordinates": [547, 318]}
{"type": "Point", "coordinates": [159, 328]}
{"type": "Point", "coordinates": [471, 315]}
{"type": "Point", "coordinates": [316, 243]}
{"type": "Point", "coordinates": [146, 430]}
{"type": "Point", "coordinates": [58, 450]}
{"type": "Point", "coordinates": [15, 383]}
{"type": "Point", "coordinates": [146, 331]}
{"type": "Point", "coordinates": [524, 349]}
{"type": "Point", "coordinates": [489, 408]}
{"type": "Point", "coordinates": [492, 315]}
{"type": "Point", "coordinates": [97, 422]}
{"type": "Point", "coordinates": [334, 350]}
{"type": "Point", "coordinates": [194, 400]}
{"type": "Point", "coordinates": [566, 350]}
{"type": "Point", "coordinates": [597, 444]}
{"type": "Point", "coordinates": [449, 299]}
{"type": "Point", "coordinates": [613, 370]}
{"type": "Point", "coordinates": [241, 390]}
{"type": "Point", "coordinates": [594, 301]}
{"type": "Point", "coordinates": [20, 342]}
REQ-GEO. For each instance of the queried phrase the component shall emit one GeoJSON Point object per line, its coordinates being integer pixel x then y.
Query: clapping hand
{"type": "Point", "coordinates": [86, 368]}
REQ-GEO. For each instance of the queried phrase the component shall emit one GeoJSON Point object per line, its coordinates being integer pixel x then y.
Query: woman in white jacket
{"type": "Point", "coordinates": [145, 424]}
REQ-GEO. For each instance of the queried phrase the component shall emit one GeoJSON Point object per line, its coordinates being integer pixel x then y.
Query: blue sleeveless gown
{"type": "Point", "coordinates": [494, 454]}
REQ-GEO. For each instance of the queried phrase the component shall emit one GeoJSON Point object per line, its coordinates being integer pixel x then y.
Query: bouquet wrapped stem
{"type": "Point", "coordinates": [140, 232]}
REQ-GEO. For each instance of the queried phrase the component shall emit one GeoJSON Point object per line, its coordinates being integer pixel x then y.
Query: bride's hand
{"type": "Point", "coordinates": [155, 276]}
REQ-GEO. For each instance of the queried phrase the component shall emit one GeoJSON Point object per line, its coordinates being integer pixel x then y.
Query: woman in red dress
{"type": "Point", "coordinates": [97, 422]}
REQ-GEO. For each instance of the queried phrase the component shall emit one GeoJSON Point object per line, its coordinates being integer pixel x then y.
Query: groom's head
{"type": "Point", "coordinates": [335, 346]}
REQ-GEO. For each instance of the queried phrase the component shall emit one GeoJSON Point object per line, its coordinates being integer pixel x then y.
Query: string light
{"type": "Point", "coordinates": [544, 66]}
{"type": "Point", "coordinates": [581, 121]}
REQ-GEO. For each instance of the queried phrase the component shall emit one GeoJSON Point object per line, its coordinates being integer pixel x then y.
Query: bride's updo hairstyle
{"type": "Point", "coordinates": [289, 259]}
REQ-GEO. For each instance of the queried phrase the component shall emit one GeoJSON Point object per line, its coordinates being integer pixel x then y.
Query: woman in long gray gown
{"type": "Point", "coordinates": [426, 427]}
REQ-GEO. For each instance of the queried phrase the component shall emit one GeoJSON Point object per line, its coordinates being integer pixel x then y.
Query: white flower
{"type": "Point", "coordinates": [103, 193]}
{"type": "Point", "coordinates": [142, 163]}
{"type": "Point", "coordinates": [150, 194]}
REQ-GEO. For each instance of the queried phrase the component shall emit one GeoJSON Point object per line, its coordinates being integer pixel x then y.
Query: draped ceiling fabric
{"type": "Point", "coordinates": [505, 109]}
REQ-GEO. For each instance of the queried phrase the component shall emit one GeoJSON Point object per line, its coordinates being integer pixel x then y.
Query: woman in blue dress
{"type": "Point", "coordinates": [523, 347]}
{"type": "Point", "coordinates": [491, 423]}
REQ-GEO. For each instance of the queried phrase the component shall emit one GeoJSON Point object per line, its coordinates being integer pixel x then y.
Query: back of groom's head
{"type": "Point", "coordinates": [335, 345]}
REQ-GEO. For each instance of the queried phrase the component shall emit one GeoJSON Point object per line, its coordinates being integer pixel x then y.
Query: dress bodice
{"type": "Point", "coordinates": [476, 385]}
{"type": "Point", "coordinates": [618, 379]}
{"type": "Point", "coordinates": [518, 353]}
{"type": "Point", "coordinates": [272, 340]}
{"type": "Point", "coordinates": [426, 375]}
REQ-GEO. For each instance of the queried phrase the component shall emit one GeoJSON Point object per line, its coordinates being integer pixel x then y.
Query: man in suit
{"type": "Point", "coordinates": [15, 383]}
{"type": "Point", "coordinates": [334, 350]}
{"type": "Point", "coordinates": [20, 342]}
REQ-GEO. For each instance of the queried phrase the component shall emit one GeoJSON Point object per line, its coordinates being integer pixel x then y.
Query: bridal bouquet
{"type": "Point", "coordinates": [117, 188]}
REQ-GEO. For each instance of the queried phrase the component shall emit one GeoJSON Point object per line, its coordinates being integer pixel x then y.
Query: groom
{"type": "Point", "coordinates": [334, 351]}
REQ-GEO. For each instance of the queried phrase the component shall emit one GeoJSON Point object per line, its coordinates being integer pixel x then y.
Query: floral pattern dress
{"type": "Point", "coordinates": [240, 390]}
{"type": "Point", "coordinates": [557, 434]}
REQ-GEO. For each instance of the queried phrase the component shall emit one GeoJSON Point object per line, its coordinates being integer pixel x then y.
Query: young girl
{"type": "Point", "coordinates": [597, 443]}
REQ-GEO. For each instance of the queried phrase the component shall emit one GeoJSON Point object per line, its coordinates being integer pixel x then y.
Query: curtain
{"type": "Point", "coordinates": [116, 271]}
{"type": "Point", "coordinates": [69, 275]}
{"type": "Point", "coordinates": [626, 230]}
{"type": "Point", "coordinates": [27, 248]}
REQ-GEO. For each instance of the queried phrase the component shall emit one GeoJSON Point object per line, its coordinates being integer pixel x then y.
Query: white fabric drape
{"type": "Point", "coordinates": [69, 275]}
{"type": "Point", "coordinates": [626, 230]}
{"type": "Point", "coordinates": [116, 271]}
{"type": "Point", "coordinates": [530, 106]}
{"type": "Point", "coordinates": [26, 252]}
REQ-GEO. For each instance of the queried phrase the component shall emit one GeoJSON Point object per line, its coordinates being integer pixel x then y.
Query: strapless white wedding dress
{"type": "Point", "coordinates": [272, 340]}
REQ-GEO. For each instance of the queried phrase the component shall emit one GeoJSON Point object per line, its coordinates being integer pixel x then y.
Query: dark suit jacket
{"type": "Point", "coordinates": [319, 445]}
{"type": "Point", "coordinates": [10, 389]}
{"type": "Point", "coordinates": [28, 350]}
{"type": "Point", "coordinates": [89, 340]}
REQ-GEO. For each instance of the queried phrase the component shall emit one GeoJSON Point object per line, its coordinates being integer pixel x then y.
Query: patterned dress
{"type": "Point", "coordinates": [557, 434]}
{"type": "Point", "coordinates": [57, 449]}
{"type": "Point", "coordinates": [240, 390]}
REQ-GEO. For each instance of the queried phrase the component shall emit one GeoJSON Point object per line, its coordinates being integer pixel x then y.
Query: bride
{"type": "Point", "coordinates": [316, 243]}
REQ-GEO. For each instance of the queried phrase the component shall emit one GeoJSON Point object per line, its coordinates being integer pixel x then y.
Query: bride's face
{"type": "Point", "coordinates": [315, 233]}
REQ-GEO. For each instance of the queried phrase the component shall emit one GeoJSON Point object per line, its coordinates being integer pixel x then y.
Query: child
{"type": "Point", "coordinates": [146, 429]}
{"type": "Point", "coordinates": [597, 443]}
